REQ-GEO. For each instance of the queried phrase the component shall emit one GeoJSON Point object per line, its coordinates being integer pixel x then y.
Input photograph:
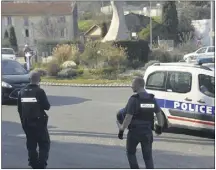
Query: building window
{"type": "Point", "coordinates": [62, 19]}
{"type": "Point", "coordinates": [62, 33]}
{"type": "Point", "coordinates": [26, 21]}
{"type": "Point", "coordinates": [9, 21]}
{"type": "Point", "coordinates": [26, 33]}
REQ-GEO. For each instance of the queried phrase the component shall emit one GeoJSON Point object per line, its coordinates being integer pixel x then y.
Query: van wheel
{"type": "Point", "coordinates": [156, 122]}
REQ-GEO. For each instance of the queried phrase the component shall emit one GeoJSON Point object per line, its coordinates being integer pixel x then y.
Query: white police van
{"type": "Point", "coordinates": [185, 92]}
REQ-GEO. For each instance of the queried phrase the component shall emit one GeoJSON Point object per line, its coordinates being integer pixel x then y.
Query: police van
{"type": "Point", "coordinates": [185, 92]}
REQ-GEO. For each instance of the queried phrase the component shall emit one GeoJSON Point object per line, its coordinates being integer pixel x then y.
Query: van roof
{"type": "Point", "coordinates": [182, 66]}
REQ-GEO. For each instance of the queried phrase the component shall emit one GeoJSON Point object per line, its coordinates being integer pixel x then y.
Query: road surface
{"type": "Point", "coordinates": [84, 134]}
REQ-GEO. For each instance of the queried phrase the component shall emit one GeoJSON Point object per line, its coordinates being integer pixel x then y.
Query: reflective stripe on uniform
{"type": "Point", "coordinates": [31, 100]}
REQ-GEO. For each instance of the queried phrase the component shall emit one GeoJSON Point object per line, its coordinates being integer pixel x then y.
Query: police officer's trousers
{"type": "Point", "coordinates": [37, 136]}
{"type": "Point", "coordinates": [134, 137]}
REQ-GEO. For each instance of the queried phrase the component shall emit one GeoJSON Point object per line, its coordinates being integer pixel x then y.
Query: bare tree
{"type": "Point", "coordinates": [50, 27]}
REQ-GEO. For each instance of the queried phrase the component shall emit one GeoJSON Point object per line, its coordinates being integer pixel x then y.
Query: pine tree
{"type": "Point", "coordinates": [6, 35]}
{"type": "Point", "coordinates": [170, 19]}
{"type": "Point", "coordinates": [12, 38]}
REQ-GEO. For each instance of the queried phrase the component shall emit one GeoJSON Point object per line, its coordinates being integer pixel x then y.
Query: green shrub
{"type": "Point", "coordinates": [166, 56]}
{"type": "Point", "coordinates": [91, 56]}
{"type": "Point", "coordinates": [138, 74]}
{"type": "Point", "coordinates": [160, 55]}
{"type": "Point", "coordinates": [105, 73]}
{"type": "Point", "coordinates": [53, 68]}
{"type": "Point", "coordinates": [151, 62]}
{"type": "Point", "coordinates": [80, 71]}
{"type": "Point", "coordinates": [65, 52]}
{"type": "Point", "coordinates": [41, 71]}
{"type": "Point", "coordinates": [67, 73]}
{"type": "Point", "coordinates": [135, 50]}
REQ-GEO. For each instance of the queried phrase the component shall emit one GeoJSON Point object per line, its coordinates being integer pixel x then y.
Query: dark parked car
{"type": "Point", "coordinates": [14, 77]}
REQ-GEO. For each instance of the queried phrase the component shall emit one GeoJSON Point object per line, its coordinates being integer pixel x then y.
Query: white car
{"type": "Point", "coordinates": [8, 53]}
{"type": "Point", "coordinates": [185, 92]}
{"type": "Point", "coordinates": [208, 51]}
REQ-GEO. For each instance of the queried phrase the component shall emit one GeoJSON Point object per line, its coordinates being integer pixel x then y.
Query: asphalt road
{"type": "Point", "coordinates": [84, 134]}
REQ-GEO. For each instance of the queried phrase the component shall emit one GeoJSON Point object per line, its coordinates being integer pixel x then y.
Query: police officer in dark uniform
{"type": "Point", "coordinates": [32, 101]}
{"type": "Point", "coordinates": [138, 117]}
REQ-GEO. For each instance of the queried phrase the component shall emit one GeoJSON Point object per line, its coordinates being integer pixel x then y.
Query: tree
{"type": "Point", "coordinates": [170, 19]}
{"type": "Point", "coordinates": [50, 28]}
{"type": "Point", "coordinates": [103, 29]}
{"type": "Point", "coordinates": [12, 38]}
{"type": "Point", "coordinates": [6, 35]}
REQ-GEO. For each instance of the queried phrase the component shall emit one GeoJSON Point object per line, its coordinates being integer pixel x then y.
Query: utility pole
{"type": "Point", "coordinates": [212, 34]}
{"type": "Point", "coordinates": [150, 26]}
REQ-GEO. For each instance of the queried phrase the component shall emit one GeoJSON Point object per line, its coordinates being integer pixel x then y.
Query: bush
{"type": "Point", "coordinates": [166, 56]}
{"type": "Point", "coordinates": [49, 45]}
{"type": "Point", "coordinates": [186, 47]}
{"type": "Point", "coordinates": [66, 52]}
{"type": "Point", "coordinates": [67, 73]}
{"type": "Point", "coordinates": [113, 56]}
{"type": "Point", "coordinates": [80, 71]}
{"type": "Point", "coordinates": [41, 71]}
{"type": "Point", "coordinates": [105, 73]}
{"type": "Point", "coordinates": [160, 55]}
{"type": "Point", "coordinates": [135, 50]}
{"type": "Point", "coordinates": [53, 68]}
{"type": "Point", "coordinates": [91, 56]}
{"type": "Point", "coordinates": [6, 43]}
{"type": "Point", "coordinates": [151, 62]}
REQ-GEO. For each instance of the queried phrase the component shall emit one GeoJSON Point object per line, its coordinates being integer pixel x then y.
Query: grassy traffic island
{"type": "Point", "coordinates": [84, 81]}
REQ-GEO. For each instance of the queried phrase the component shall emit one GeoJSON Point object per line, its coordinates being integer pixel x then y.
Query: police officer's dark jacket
{"type": "Point", "coordinates": [32, 102]}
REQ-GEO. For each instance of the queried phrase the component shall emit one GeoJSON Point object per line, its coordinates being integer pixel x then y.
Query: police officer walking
{"type": "Point", "coordinates": [139, 118]}
{"type": "Point", "coordinates": [32, 101]}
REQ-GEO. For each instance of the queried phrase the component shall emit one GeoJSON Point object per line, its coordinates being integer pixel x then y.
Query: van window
{"type": "Point", "coordinates": [179, 82]}
{"type": "Point", "coordinates": [207, 85]}
{"type": "Point", "coordinates": [201, 50]}
{"type": "Point", "coordinates": [156, 81]}
{"type": "Point", "coordinates": [211, 49]}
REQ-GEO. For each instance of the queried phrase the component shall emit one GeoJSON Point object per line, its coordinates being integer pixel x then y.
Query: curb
{"type": "Point", "coordinates": [84, 85]}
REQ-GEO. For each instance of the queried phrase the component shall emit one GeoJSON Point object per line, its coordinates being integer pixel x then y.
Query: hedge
{"type": "Point", "coordinates": [135, 49]}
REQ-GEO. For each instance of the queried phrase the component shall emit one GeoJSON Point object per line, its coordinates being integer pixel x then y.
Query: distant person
{"type": "Point", "coordinates": [138, 117]}
{"type": "Point", "coordinates": [32, 101]}
{"type": "Point", "coordinates": [26, 50]}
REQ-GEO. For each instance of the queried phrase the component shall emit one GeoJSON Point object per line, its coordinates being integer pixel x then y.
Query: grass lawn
{"type": "Point", "coordinates": [84, 25]}
{"type": "Point", "coordinates": [84, 81]}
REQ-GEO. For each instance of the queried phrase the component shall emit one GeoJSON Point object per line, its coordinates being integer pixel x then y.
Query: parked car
{"type": "Point", "coordinates": [208, 51]}
{"type": "Point", "coordinates": [8, 53]}
{"type": "Point", "coordinates": [185, 92]}
{"type": "Point", "coordinates": [14, 77]}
